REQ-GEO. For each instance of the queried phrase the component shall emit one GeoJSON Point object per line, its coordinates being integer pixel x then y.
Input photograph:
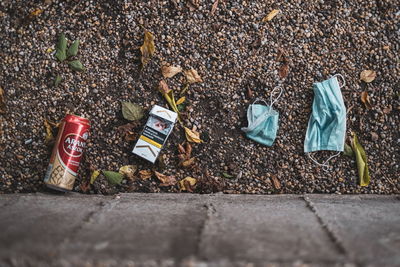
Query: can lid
{"type": "Point", "coordinates": [76, 119]}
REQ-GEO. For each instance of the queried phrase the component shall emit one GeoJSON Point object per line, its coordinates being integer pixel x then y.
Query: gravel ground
{"type": "Point", "coordinates": [235, 54]}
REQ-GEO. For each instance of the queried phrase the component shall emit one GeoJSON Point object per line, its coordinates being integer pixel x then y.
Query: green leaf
{"type": "Point", "coordinates": [58, 80]}
{"type": "Point", "coordinates": [73, 49]}
{"type": "Point", "coordinates": [227, 175]}
{"type": "Point", "coordinates": [362, 163]}
{"type": "Point", "coordinates": [348, 151]}
{"type": "Point", "coordinates": [61, 48]}
{"type": "Point", "coordinates": [113, 177]}
{"type": "Point", "coordinates": [181, 107]}
{"type": "Point", "coordinates": [132, 112]}
{"type": "Point", "coordinates": [76, 65]}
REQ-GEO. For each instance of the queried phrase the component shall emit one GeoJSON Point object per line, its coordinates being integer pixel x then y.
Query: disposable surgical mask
{"type": "Point", "coordinates": [263, 121]}
{"type": "Point", "coordinates": [327, 124]}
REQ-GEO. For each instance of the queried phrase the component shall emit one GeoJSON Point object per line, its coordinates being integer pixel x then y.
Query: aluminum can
{"type": "Point", "coordinates": [67, 153]}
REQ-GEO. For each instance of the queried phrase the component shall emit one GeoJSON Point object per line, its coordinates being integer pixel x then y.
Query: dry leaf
{"type": "Point", "coordinates": [362, 162]}
{"type": "Point", "coordinates": [192, 76]}
{"type": "Point", "coordinates": [170, 71]}
{"type": "Point", "coordinates": [188, 150]}
{"type": "Point", "coordinates": [49, 131]}
{"type": "Point", "coordinates": [165, 180]}
{"type": "Point", "coordinates": [214, 7]}
{"type": "Point", "coordinates": [145, 174]}
{"type": "Point", "coordinates": [163, 87]}
{"type": "Point", "coordinates": [193, 4]}
{"type": "Point", "coordinates": [127, 131]}
{"type": "Point", "coordinates": [85, 186]}
{"type": "Point", "coordinates": [181, 149]}
{"type": "Point", "coordinates": [367, 76]}
{"type": "Point", "coordinates": [2, 102]}
{"type": "Point", "coordinates": [365, 100]}
{"type": "Point", "coordinates": [36, 12]}
{"type": "Point", "coordinates": [192, 136]}
{"type": "Point", "coordinates": [148, 48]}
{"type": "Point", "coordinates": [188, 163]}
{"type": "Point", "coordinates": [94, 176]}
{"type": "Point", "coordinates": [128, 171]}
{"type": "Point", "coordinates": [187, 184]}
{"type": "Point", "coordinates": [271, 15]}
{"type": "Point", "coordinates": [284, 70]}
{"type": "Point", "coordinates": [387, 110]}
{"type": "Point", "coordinates": [180, 100]}
{"type": "Point", "coordinates": [276, 182]}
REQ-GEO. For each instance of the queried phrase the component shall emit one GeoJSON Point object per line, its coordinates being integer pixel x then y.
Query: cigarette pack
{"type": "Point", "coordinates": [156, 131]}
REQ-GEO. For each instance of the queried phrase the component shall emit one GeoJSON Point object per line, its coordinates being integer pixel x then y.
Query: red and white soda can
{"type": "Point", "coordinates": [67, 153]}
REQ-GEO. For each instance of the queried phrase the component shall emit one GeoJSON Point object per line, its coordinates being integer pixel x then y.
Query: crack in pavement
{"type": "Point", "coordinates": [332, 236]}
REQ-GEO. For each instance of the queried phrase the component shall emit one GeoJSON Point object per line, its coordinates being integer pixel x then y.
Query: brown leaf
{"type": "Point", "coordinates": [85, 186]}
{"type": "Point", "coordinates": [165, 180]}
{"type": "Point", "coordinates": [188, 150]}
{"type": "Point", "coordinates": [283, 70]}
{"type": "Point", "coordinates": [271, 15]}
{"type": "Point", "coordinates": [170, 71]}
{"type": "Point", "coordinates": [214, 7]}
{"type": "Point", "coordinates": [365, 99]}
{"type": "Point", "coordinates": [127, 131]}
{"type": "Point", "coordinates": [187, 184]}
{"type": "Point", "coordinates": [193, 4]}
{"type": "Point", "coordinates": [148, 47]}
{"type": "Point", "coordinates": [276, 182]}
{"type": "Point", "coordinates": [387, 110]}
{"type": "Point", "coordinates": [2, 102]}
{"type": "Point", "coordinates": [367, 76]}
{"type": "Point", "coordinates": [181, 149]}
{"type": "Point", "coordinates": [163, 87]}
{"type": "Point", "coordinates": [145, 174]}
{"type": "Point", "coordinates": [188, 163]}
{"type": "Point", "coordinates": [192, 76]}
{"type": "Point", "coordinates": [249, 93]}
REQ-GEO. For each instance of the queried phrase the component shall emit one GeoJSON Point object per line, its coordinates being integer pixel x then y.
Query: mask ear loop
{"type": "Point", "coordinates": [343, 80]}
{"type": "Point", "coordinates": [273, 101]}
{"type": "Point", "coordinates": [325, 166]}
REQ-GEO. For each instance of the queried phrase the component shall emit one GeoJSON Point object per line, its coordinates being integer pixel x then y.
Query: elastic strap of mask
{"type": "Point", "coordinates": [273, 101]}
{"type": "Point", "coordinates": [325, 166]}
{"type": "Point", "coordinates": [343, 80]}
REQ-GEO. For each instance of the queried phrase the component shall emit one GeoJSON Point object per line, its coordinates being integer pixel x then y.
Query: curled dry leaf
{"type": "Point", "coordinates": [2, 102]}
{"type": "Point", "coordinates": [127, 131]}
{"type": "Point", "coordinates": [148, 48]}
{"type": "Point", "coordinates": [365, 99]}
{"type": "Point", "coordinates": [128, 171]}
{"type": "Point", "coordinates": [145, 174]}
{"type": "Point", "coordinates": [180, 100]}
{"type": "Point", "coordinates": [284, 70]}
{"type": "Point", "coordinates": [214, 7]}
{"type": "Point", "coordinates": [49, 131]}
{"type": "Point", "coordinates": [271, 15]}
{"type": "Point", "coordinates": [367, 76]}
{"type": "Point", "coordinates": [187, 184]}
{"type": "Point", "coordinates": [192, 76]}
{"type": "Point", "coordinates": [192, 136]}
{"type": "Point", "coordinates": [188, 163]}
{"type": "Point", "coordinates": [170, 71]}
{"type": "Point", "coordinates": [165, 180]}
{"type": "Point", "coordinates": [276, 182]}
{"type": "Point", "coordinates": [163, 87]}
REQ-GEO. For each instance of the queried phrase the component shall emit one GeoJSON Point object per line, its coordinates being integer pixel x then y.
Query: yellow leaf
{"type": "Point", "coordinates": [49, 50]}
{"type": "Point", "coordinates": [192, 76]}
{"type": "Point", "coordinates": [180, 100]}
{"type": "Point", "coordinates": [36, 12]}
{"type": "Point", "coordinates": [128, 171]}
{"type": "Point", "coordinates": [187, 183]}
{"type": "Point", "coordinates": [271, 15]}
{"type": "Point", "coordinates": [94, 176]}
{"type": "Point", "coordinates": [192, 136]}
{"type": "Point", "coordinates": [367, 76]}
{"type": "Point", "coordinates": [2, 102]}
{"type": "Point", "coordinates": [148, 48]}
{"type": "Point", "coordinates": [362, 162]}
{"type": "Point", "coordinates": [170, 71]}
{"type": "Point", "coordinates": [49, 134]}
{"type": "Point", "coordinates": [188, 163]}
{"type": "Point", "coordinates": [145, 174]}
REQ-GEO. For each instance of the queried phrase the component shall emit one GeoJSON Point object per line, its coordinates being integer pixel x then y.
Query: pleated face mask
{"type": "Point", "coordinates": [327, 124]}
{"type": "Point", "coordinates": [262, 121]}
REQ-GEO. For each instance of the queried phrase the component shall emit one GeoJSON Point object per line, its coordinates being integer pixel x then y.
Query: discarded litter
{"type": "Point", "coordinates": [155, 133]}
{"type": "Point", "coordinates": [67, 153]}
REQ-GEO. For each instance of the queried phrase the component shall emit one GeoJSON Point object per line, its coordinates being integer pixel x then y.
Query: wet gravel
{"type": "Point", "coordinates": [235, 54]}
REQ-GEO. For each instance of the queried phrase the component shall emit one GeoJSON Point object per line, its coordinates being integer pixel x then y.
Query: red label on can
{"type": "Point", "coordinates": [73, 142]}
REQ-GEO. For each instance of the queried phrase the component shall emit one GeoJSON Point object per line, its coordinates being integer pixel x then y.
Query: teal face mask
{"type": "Point", "coordinates": [262, 122]}
{"type": "Point", "coordinates": [327, 124]}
